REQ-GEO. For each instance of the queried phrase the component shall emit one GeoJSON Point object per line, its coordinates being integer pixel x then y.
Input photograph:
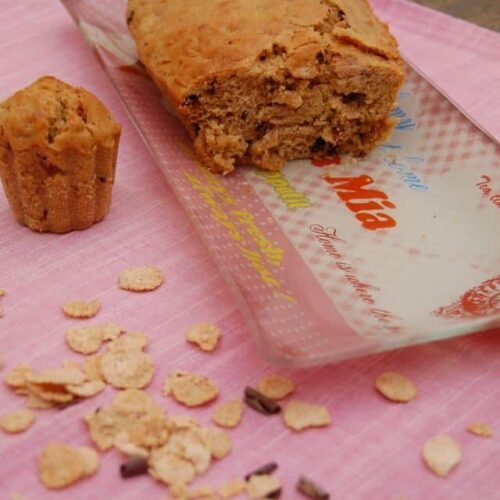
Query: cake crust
{"type": "Point", "coordinates": [261, 61]}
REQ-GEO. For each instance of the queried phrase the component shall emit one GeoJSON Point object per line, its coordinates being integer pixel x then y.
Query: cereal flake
{"type": "Point", "coordinates": [92, 367]}
{"type": "Point", "coordinates": [481, 429]}
{"type": "Point", "coordinates": [90, 460]}
{"type": "Point", "coordinates": [233, 488]}
{"type": "Point", "coordinates": [218, 442]}
{"type": "Point", "coordinates": [169, 468]}
{"type": "Point", "coordinates": [276, 386]}
{"type": "Point", "coordinates": [60, 466]}
{"type": "Point", "coordinates": [396, 387]}
{"type": "Point", "coordinates": [204, 335]}
{"type": "Point", "coordinates": [80, 309]}
{"type": "Point", "coordinates": [133, 340]}
{"type": "Point", "coordinates": [441, 454]}
{"type": "Point", "coordinates": [141, 279]}
{"type": "Point", "coordinates": [127, 369]}
{"type": "Point", "coordinates": [88, 339]}
{"type": "Point", "coordinates": [190, 389]}
{"type": "Point", "coordinates": [17, 421]}
{"type": "Point", "coordinates": [263, 486]}
{"type": "Point", "coordinates": [87, 389]}
{"type": "Point", "coordinates": [299, 415]}
{"type": "Point", "coordinates": [57, 376]}
{"type": "Point", "coordinates": [228, 414]}
{"type": "Point", "coordinates": [16, 378]}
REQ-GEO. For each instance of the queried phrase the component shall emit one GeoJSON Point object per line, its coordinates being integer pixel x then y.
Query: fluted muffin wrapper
{"type": "Point", "coordinates": [71, 192]}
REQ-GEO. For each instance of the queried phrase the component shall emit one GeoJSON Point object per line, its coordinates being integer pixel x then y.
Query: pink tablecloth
{"type": "Point", "coordinates": [372, 450]}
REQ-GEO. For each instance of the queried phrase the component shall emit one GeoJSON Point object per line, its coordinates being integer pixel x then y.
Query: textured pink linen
{"type": "Point", "coordinates": [372, 450]}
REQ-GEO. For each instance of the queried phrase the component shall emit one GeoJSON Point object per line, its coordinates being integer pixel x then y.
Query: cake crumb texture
{"type": "Point", "coordinates": [268, 81]}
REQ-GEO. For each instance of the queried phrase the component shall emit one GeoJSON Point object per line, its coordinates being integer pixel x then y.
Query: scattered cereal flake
{"type": "Point", "coordinates": [2, 292]}
{"type": "Point", "coordinates": [190, 389]}
{"type": "Point", "coordinates": [123, 445]}
{"type": "Point", "coordinates": [233, 488]}
{"type": "Point", "coordinates": [480, 429]}
{"type": "Point", "coordinates": [396, 387]}
{"type": "Point", "coordinates": [204, 335]}
{"type": "Point", "coordinates": [133, 416]}
{"type": "Point", "coordinates": [90, 460]}
{"type": "Point", "coordinates": [178, 491]}
{"type": "Point", "coordinates": [441, 454]}
{"type": "Point", "coordinates": [80, 309]}
{"type": "Point", "coordinates": [92, 367]}
{"type": "Point", "coordinates": [87, 389]}
{"type": "Point", "coordinates": [17, 376]}
{"type": "Point", "coordinates": [35, 402]}
{"type": "Point", "coordinates": [88, 339]}
{"type": "Point", "coordinates": [169, 468]}
{"type": "Point", "coordinates": [60, 465]}
{"type": "Point", "coordinates": [218, 442]}
{"type": "Point", "coordinates": [127, 369]}
{"type": "Point", "coordinates": [58, 376]}
{"type": "Point", "coordinates": [84, 340]}
{"type": "Point", "coordinates": [17, 421]}
{"type": "Point", "coordinates": [263, 486]}
{"type": "Point", "coordinates": [276, 386]}
{"type": "Point", "coordinates": [190, 444]}
{"type": "Point", "coordinates": [56, 393]}
{"type": "Point", "coordinates": [228, 414]}
{"type": "Point", "coordinates": [299, 415]}
{"type": "Point", "coordinates": [128, 341]}
{"type": "Point", "coordinates": [141, 279]}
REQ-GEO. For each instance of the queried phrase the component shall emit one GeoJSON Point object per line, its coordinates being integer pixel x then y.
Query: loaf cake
{"type": "Point", "coordinates": [58, 149]}
{"type": "Point", "coordinates": [261, 82]}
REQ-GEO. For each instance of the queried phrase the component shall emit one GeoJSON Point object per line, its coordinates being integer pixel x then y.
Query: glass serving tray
{"type": "Point", "coordinates": [332, 259]}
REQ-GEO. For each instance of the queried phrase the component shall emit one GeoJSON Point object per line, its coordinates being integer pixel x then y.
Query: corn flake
{"type": "Point", "coordinates": [35, 402]}
{"type": "Point", "coordinates": [127, 369]}
{"type": "Point", "coordinates": [276, 386]}
{"type": "Point", "coordinates": [131, 417]}
{"type": "Point", "coordinates": [204, 335]}
{"type": "Point", "coordinates": [218, 442]}
{"type": "Point", "coordinates": [480, 429]}
{"type": "Point", "coordinates": [17, 421]}
{"type": "Point", "coordinates": [190, 389]}
{"type": "Point", "coordinates": [87, 389]}
{"type": "Point", "coordinates": [92, 367]}
{"type": "Point", "coordinates": [88, 339]}
{"type": "Point", "coordinates": [441, 454]}
{"type": "Point", "coordinates": [80, 309]}
{"type": "Point", "coordinates": [228, 414]}
{"type": "Point", "coordinates": [58, 376]}
{"type": "Point", "coordinates": [90, 460]}
{"type": "Point", "coordinates": [263, 486]}
{"type": "Point", "coordinates": [396, 387]}
{"type": "Point", "coordinates": [60, 466]}
{"type": "Point", "coordinates": [128, 341]}
{"type": "Point", "coordinates": [299, 415]}
{"type": "Point", "coordinates": [233, 488]}
{"type": "Point", "coordinates": [141, 279]}
{"type": "Point", "coordinates": [169, 468]}
{"type": "Point", "coordinates": [16, 378]}
{"type": "Point", "coordinates": [55, 393]}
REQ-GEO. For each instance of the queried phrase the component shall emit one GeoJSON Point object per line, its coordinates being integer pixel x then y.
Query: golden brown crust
{"type": "Point", "coordinates": [186, 45]}
{"type": "Point", "coordinates": [58, 149]}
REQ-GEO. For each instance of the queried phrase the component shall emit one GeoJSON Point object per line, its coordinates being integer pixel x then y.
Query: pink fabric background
{"type": "Point", "coordinates": [372, 450]}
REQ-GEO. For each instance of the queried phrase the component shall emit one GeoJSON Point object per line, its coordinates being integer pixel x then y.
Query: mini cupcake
{"type": "Point", "coordinates": [58, 149]}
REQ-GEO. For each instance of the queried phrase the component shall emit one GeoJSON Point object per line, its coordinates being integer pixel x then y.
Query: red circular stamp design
{"type": "Point", "coordinates": [480, 301]}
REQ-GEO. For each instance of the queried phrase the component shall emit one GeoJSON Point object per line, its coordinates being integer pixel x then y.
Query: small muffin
{"type": "Point", "coordinates": [58, 149]}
